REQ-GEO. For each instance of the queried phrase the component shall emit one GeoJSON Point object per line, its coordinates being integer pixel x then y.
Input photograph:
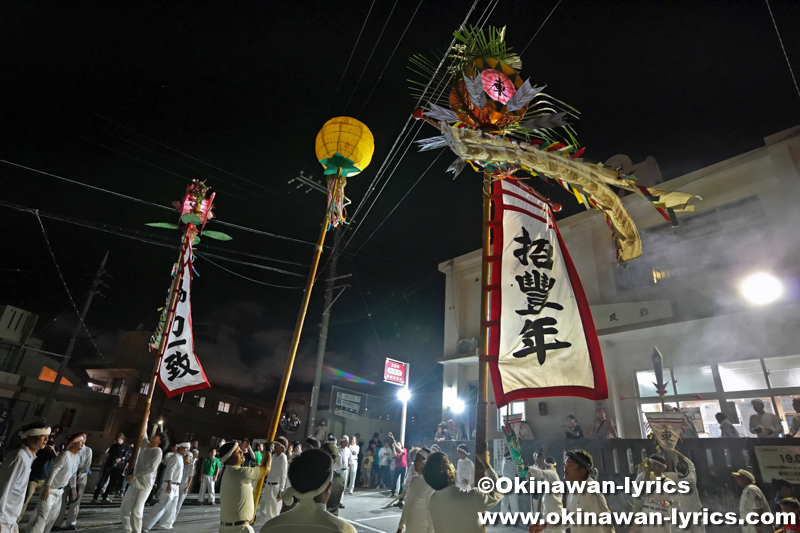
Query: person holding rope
{"type": "Point", "coordinates": [63, 475]}
{"type": "Point", "coordinates": [141, 481]}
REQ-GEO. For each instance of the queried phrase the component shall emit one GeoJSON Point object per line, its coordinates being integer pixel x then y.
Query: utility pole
{"type": "Point", "coordinates": [323, 333]}
{"type": "Point", "coordinates": [51, 396]}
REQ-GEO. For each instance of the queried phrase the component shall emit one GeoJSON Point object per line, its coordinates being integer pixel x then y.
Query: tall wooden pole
{"type": "Point", "coordinates": [172, 302]}
{"type": "Point", "coordinates": [298, 330]}
{"type": "Point", "coordinates": [482, 422]}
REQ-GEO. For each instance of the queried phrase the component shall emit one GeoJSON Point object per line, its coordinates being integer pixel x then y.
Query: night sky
{"type": "Point", "coordinates": [139, 97]}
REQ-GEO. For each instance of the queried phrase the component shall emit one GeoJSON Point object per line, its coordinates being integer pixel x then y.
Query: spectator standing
{"type": "Point", "coordinates": [342, 463]}
{"type": "Point", "coordinates": [794, 427]}
{"type": "Point", "coordinates": [114, 454]}
{"type": "Point", "coordinates": [385, 456]}
{"type": "Point", "coordinates": [764, 425]}
{"type": "Point", "coordinates": [604, 427]}
{"type": "Point", "coordinates": [209, 470]}
{"type": "Point", "coordinates": [465, 471]}
{"type": "Point", "coordinates": [249, 454]}
{"type": "Point", "coordinates": [400, 466]}
{"type": "Point", "coordinates": [727, 431]}
{"type": "Point", "coordinates": [783, 489]}
{"type": "Point", "coordinates": [355, 449]}
{"type": "Point", "coordinates": [572, 430]}
{"type": "Point", "coordinates": [259, 453]}
{"type": "Point", "coordinates": [366, 467]}
{"type": "Point", "coordinates": [14, 474]}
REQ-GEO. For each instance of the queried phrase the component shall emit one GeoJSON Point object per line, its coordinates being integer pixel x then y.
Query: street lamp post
{"type": "Point", "coordinates": [404, 394]}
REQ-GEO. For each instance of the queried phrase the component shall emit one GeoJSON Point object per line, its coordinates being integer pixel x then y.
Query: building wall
{"type": "Point", "coordinates": [698, 316]}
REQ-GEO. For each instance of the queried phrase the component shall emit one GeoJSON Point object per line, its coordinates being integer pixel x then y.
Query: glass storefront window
{"type": "Point", "coordinates": [645, 382]}
{"type": "Point", "coordinates": [783, 371]}
{"type": "Point", "coordinates": [694, 379]}
{"type": "Point", "coordinates": [742, 375]}
{"type": "Point", "coordinates": [703, 415]}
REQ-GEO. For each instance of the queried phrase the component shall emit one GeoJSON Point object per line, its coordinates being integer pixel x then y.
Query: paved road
{"type": "Point", "coordinates": [364, 509]}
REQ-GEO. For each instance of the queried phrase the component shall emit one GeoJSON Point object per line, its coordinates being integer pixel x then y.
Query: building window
{"type": "Point", "coordinates": [693, 379]}
{"type": "Point", "coordinates": [646, 379]}
{"type": "Point", "coordinates": [742, 375]}
{"type": "Point", "coordinates": [242, 411]}
{"type": "Point", "coordinates": [512, 409]}
{"type": "Point", "coordinates": [145, 388]}
{"type": "Point", "coordinates": [224, 407]}
{"type": "Point", "coordinates": [783, 371]}
{"type": "Point", "coordinates": [49, 375]}
{"type": "Point", "coordinates": [201, 402]}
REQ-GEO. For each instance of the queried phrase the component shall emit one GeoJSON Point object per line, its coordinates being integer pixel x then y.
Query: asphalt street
{"type": "Point", "coordinates": [364, 509]}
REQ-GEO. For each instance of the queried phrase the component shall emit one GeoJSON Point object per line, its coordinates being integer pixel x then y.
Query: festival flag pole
{"type": "Point", "coordinates": [174, 330]}
{"type": "Point", "coordinates": [344, 146]}
{"type": "Point", "coordinates": [482, 422]}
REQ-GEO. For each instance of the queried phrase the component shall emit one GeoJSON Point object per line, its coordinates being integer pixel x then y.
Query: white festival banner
{"type": "Point", "coordinates": [180, 370]}
{"type": "Point", "coordinates": [542, 339]}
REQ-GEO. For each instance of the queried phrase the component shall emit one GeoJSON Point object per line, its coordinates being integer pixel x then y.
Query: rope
{"type": "Point", "coordinates": [375, 85]}
{"type": "Point", "coordinates": [780, 40]}
{"type": "Point", "coordinates": [152, 204]}
{"type": "Point", "coordinates": [374, 47]}
{"type": "Point", "coordinates": [540, 27]}
{"type": "Point", "coordinates": [71, 300]}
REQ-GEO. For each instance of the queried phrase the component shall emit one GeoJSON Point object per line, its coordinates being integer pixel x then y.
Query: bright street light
{"type": "Point", "coordinates": [457, 406]}
{"type": "Point", "coordinates": [761, 288]}
{"type": "Point", "coordinates": [404, 394]}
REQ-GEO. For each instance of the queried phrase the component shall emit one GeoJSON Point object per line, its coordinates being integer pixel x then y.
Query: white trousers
{"type": "Point", "coordinates": [206, 486]}
{"type": "Point", "coordinates": [10, 527]}
{"type": "Point", "coordinates": [132, 509]}
{"type": "Point", "coordinates": [511, 501]}
{"type": "Point", "coordinates": [269, 507]}
{"type": "Point", "coordinates": [72, 509]}
{"type": "Point", "coordinates": [343, 473]}
{"type": "Point", "coordinates": [165, 508]}
{"type": "Point", "coordinates": [46, 512]}
{"type": "Point", "coordinates": [351, 480]}
{"type": "Point", "coordinates": [181, 496]}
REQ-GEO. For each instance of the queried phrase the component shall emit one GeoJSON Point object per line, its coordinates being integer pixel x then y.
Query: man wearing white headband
{"type": "Point", "coordinates": [14, 475]}
{"type": "Point", "coordinates": [416, 516]}
{"type": "Point", "coordinates": [310, 476]}
{"type": "Point", "coordinates": [183, 489]}
{"type": "Point", "coordinates": [237, 508]}
{"type": "Point", "coordinates": [656, 502]}
{"type": "Point", "coordinates": [270, 504]}
{"type": "Point", "coordinates": [168, 501]}
{"type": "Point", "coordinates": [140, 483]}
{"type": "Point", "coordinates": [62, 475]}
{"type": "Point", "coordinates": [72, 507]}
{"type": "Point", "coordinates": [465, 469]}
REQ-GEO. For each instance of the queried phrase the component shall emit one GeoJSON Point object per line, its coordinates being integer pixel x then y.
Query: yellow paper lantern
{"type": "Point", "coordinates": [348, 137]}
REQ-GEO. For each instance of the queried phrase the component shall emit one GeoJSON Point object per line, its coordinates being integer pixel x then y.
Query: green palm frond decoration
{"type": "Point", "coordinates": [477, 43]}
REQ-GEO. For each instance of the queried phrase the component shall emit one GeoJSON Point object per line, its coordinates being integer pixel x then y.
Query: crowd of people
{"type": "Point", "coordinates": [304, 484]}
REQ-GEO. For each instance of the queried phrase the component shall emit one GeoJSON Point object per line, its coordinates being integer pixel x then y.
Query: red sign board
{"type": "Point", "coordinates": [394, 372]}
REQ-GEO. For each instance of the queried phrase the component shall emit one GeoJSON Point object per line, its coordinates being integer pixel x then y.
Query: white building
{"type": "Point", "coordinates": [683, 296]}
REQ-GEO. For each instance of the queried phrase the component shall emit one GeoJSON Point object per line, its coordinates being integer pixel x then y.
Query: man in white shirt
{"type": "Point", "coordinates": [794, 428]}
{"type": "Point", "coordinates": [73, 508]}
{"type": "Point", "coordinates": [354, 450]}
{"type": "Point", "coordinates": [237, 507]}
{"type": "Point", "coordinates": [61, 476]}
{"type": "Point", "coordinates": [689, 502]}
{"type": "Point", "coordinates": [342, 464]}
{"type": "Point", "coordinates": [465, 471]}
{"type": "Point", "coordinates": [140, 482]}
{"type": "Point", "coordinates": [385, 456]}
{"type": "Point", "coordinates": [453, 510]}
{"type": "Point", "coordinates": [275, 483]}
{"type": "Point", "coordinates": [310, 476]}
{"type": "Point", "coordinates": [183, 489]}
{"type": "Point", "coordinates": [579, 466]}
{"type": "Point", "coordinates": [764, 425]}
{"type": "Point", "coordinates": [168, 501]}
{"type": "Point", "coordinates": [656, 502]}
{"type": "Point", "coordinates": [14, 475]}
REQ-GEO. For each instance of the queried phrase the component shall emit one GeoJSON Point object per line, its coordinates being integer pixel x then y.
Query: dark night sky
{"type": "Point", "coordinates": [245, 86]}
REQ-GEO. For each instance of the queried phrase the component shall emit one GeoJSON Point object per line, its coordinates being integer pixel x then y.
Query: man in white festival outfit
{"type": "Point", "coordinates": [62, 476]}
{"type": "Point", "coordinates": [14, 474]}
